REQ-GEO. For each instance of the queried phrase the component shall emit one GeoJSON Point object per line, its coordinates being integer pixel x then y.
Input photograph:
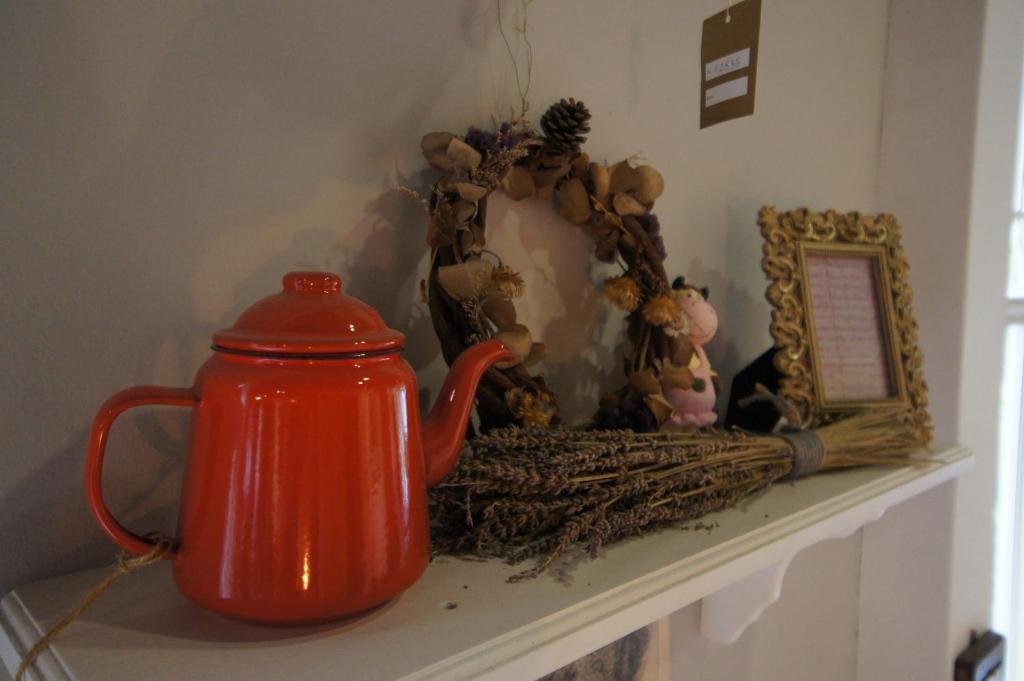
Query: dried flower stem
{"type": "Point", "coordinates": [523, 493]}
{"type": "Point", "coordinates": [423, 203]}
{"type": "Point", "coordinates": [521, 29]}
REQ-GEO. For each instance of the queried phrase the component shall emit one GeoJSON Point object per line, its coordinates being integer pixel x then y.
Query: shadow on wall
{"type": "Point", "coordinates": [380, 260]}
{"type": "Point", "coordinates": [584, 336]}
{"type": "Point", "coordinates": [726, 352]}
{"type": "Point", "coordinates": [239, 115]}
{"type": "Point", "coordinates": [741, 302]}
{"type": "Point", "coordinates": [167, 164]}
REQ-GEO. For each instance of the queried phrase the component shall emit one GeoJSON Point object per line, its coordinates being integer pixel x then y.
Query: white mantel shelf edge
{"type": "Point", "coordinates": [499, 631]}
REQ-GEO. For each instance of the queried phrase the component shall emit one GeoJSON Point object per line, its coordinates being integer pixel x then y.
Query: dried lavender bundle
{"type": "Point", "coordinates": [522, 493]}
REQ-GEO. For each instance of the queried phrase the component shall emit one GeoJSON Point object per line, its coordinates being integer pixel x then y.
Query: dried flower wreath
{"type": "Point", "coordinates": [470, 295]}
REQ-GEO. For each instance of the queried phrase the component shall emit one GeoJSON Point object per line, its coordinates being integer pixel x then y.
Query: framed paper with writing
{"type": "Point", "coordinates": [844, 331]}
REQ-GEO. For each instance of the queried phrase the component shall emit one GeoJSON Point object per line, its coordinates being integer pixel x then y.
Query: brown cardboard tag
{"type": "Point", "coordinates": [728, 63]}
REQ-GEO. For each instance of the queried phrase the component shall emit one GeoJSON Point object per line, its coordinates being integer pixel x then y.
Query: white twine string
{"type": "Point", "coordinates": [808, 451]}
{"type": "Point", "coordinates": [126, 562]}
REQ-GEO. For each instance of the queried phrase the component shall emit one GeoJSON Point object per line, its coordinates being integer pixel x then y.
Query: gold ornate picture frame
{"type": "Point", "coordinates": [844, 331]}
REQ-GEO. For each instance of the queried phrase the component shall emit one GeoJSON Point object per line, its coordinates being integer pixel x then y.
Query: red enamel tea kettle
{"type": "Point", "coordinates": [304, 497]}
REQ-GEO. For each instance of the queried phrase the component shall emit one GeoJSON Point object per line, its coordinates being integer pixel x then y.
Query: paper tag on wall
{"type": "Point", "coordinates": [728, 58]}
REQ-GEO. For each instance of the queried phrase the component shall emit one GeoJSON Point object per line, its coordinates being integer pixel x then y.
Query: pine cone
{"type": "Point", "coordinates": [565, 125]}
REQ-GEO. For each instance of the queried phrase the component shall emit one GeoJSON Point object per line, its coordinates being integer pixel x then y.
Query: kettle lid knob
{"type": "Point", "coordinates": [324, 283]}
{"type": "Point", "coordinates": [310, 316]}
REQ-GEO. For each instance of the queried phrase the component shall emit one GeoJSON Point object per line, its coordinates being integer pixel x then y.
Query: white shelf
{"type": "Point", "coordinates": [143, 629]}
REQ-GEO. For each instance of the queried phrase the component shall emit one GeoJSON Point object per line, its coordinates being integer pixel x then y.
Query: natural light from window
{"type": "Point", "coordinates": [1008, 577]}
{"type": "Point", "coordinates": [1015, 285]}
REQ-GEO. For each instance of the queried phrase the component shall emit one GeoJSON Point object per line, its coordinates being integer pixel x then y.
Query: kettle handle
{"type": "Point", "coordinates": [111, 409]}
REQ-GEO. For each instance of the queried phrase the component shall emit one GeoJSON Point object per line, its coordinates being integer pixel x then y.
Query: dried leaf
{"type": "Point", "coordinates": [605, 229]}
{"type": "Point", "coordinates": [580, 165]}
{"type": "Point", "coordinates": [471, 240]}
{"type": "Point", "coordinates": [467, 280]}
{"type": "Point", "coordinates": [680, 350]}
{"type": "Point", "coordinates": [601, 181]}
{"type": "Point", "coordinates": [433, 141]}
{"type": "Point", "coordinates": [441, 229]}
{"type": "Point", "coordinates": [518, 183]}
{"type": "Point", "coordinates": [573, 202]}
{"type": "Point", "coordinates": [606, 248]}
{"type": "Point", "coordinates": [548, 160]}
{"type": "Point", "coordinates": [464, 156]}
{"type": "Point", "coordinates": [625, 204]}
{"type": "Point", "coordinates": [652, 184]}
{"type": "Point", "coordinates": [464, 212]}
{"type": "Point", "coordinates": [659, 406]}
{"type": "Point", "coordinates": [435, 149]}
{"type": "Point", "coordinates": [445, 183]}
{"type": "Point", "coordinates": [624, 178]}
{"type": "Point", "coordinates": [608, 216]}
{"type": "Point", "coordinates": [519, 341]}
{"type": "Point", "coordinates": [470, 192]}
{"type": "Point", "coordinates": [645, 382]}
{"type": "Point", "coordinates": [440, 160]}
{"type": "Point", "coordinates": [676, 377]}
{"type": "Point", "coordinates": [500, 310]}
{"type": "Point", "coordinates": [537, 353]}
{"type": "Point", "coordinates": [546, 178]}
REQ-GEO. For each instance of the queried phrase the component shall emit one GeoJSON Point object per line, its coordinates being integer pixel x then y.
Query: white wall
{"type": "Point", "coordinates": [992, 202]}
{"type": "Point", "coordinates": [162, 165]}
{"type": "Point", "coordinates": [810, 633]}
{"type": "Point", "coordinates": [924, 173]}
{"type": "Point", "coordinates": [953, 88]}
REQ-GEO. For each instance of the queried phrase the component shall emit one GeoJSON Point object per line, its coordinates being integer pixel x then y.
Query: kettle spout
{"type": "Point", "coordinates": [444, 429]}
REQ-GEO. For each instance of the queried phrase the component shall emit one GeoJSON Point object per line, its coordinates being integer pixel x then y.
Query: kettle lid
{"type": "Point", "coordinates": [311, 316]}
